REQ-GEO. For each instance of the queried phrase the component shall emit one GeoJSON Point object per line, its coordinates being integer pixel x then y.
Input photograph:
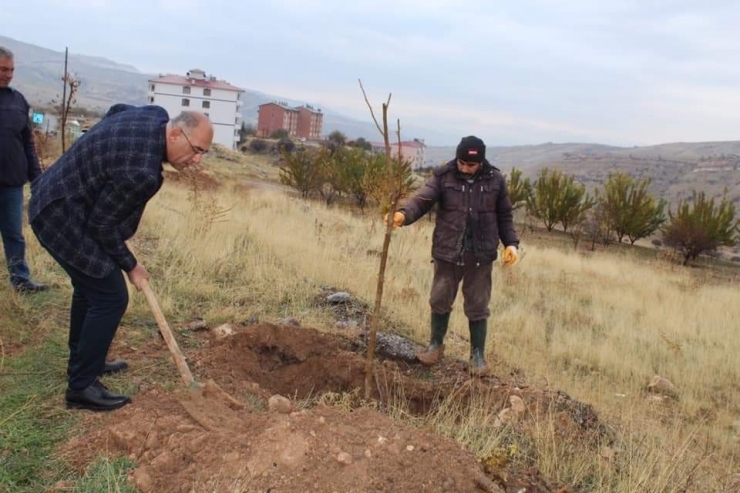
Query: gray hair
{"type": "Point", "coordinates": [187, 119]}
{"type": "Point", "coordinates": [5, 52]}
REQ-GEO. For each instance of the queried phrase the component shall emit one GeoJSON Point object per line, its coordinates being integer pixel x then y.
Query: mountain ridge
{"type": "Point", "coordinates": [105, 82]}
{"type": "Point", "coordinates": [675, 169]}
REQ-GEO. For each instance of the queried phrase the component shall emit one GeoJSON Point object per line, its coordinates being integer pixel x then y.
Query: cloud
{"type": "Point", "coordinates": [620, 72]}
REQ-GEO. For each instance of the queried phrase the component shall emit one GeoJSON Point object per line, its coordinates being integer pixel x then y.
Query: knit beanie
{"type": "Point", "coordinates": [471, 149]}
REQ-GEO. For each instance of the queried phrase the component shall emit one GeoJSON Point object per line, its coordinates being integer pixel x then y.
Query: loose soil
{"type": "Point", "coordinates": [325, 438]}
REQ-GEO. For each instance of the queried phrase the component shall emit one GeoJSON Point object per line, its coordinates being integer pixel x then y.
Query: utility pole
{"type": "Point", "coordinates": [64, 99]}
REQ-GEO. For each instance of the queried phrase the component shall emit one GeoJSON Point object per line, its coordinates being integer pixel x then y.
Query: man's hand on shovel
{"type": "Point", "coordinates": [137, 275]}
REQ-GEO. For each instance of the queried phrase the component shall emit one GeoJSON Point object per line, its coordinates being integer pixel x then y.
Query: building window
{"type": "Point", "coordinates": [151, 100]}
{"type": "Point", "coordinates": [186, 90]}
{"type": "Point", "coordinates": [206, 104]}
{"type": "Point", "coordinates": [207, 114]}
{"type": "Point", "coordinates": [151, 87]}
{"type": "Point", "coordinates": [185, 102]}
{"type": "Point", "coordinates": [206, 92]}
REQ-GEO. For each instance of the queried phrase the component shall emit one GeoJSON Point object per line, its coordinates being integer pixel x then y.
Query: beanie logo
{"type": "Point", "coordinates": [472, 152]}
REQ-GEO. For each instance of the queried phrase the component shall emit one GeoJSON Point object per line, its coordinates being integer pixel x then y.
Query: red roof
{"type": "Point", "coordinates": [309, 108]}
{"type": "Point", "coordinates": [181, 80]}
{"type": "Point", "coordinates": [281, 105]}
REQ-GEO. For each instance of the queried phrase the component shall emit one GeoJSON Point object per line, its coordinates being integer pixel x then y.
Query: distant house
{"type": "Point", "coordinates": [303, 122]}
{"type": "Point", "coordinates": [218, 100]}
{"type": "Point", "coordinates": [411, 150]}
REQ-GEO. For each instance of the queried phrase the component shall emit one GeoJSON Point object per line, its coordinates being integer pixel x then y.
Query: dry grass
{"type": "Point", "coordinates": [597, 326]}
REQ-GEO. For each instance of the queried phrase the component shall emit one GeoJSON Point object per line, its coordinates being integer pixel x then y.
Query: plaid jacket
{"type": "Point", "coordinates": [91, 200]}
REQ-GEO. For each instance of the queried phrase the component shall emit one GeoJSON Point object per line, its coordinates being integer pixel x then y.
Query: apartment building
{"type": "Point", "coordinates": [310, 122]}
{"type": "Point", "coordinates": [196, 91]}
{"type": "Point", "coordinates": [303, 122]}
{"type": "Point", "coordinates": [276, 116]}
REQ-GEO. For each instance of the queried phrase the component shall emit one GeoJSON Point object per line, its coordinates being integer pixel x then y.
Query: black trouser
{"type": "Point", "coordinates": [98, 304]}
{"type": "Point", "coordinates": [476, 279]}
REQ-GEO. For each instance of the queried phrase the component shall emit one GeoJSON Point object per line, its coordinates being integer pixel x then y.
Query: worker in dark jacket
{"type": "Point", "coordinates": [86, 206]}
{"type": "Point", "coordinates": [474, 214]}
{"type": "Point", "coordinates": [18, 164]}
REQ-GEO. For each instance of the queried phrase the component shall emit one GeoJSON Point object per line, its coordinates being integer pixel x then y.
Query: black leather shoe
{"type": "Point", "coordinates": [110, 395]}
{"type": "Point", "coordinates": [30, 287]}
{"type": "Point", "coordinates": [115, 366]}
{"type": "Point", "coordinates": [95, 398]}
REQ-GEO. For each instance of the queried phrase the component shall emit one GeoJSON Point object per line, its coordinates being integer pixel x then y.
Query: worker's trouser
{"type": "Point", "coordinates": [476, 279]}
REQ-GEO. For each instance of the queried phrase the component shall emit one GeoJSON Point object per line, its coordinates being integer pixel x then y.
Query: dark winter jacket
{"type": "Point", "coordinates": [482, 208]}
{"type": "Point", "coordinates": [18, 161]}
{"type": "Point", "coordinates": [90, 202]}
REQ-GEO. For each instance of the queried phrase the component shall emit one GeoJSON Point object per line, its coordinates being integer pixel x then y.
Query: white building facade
{"type": "Point", "coordinates": [411, 151]}
{"type": "Point", "coordinates": [218, 100]}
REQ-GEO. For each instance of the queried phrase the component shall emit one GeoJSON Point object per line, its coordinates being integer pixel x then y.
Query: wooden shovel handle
{"type": "Point", "coordinates": [169, 339]}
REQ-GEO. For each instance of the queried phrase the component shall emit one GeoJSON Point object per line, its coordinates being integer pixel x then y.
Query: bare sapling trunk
{"type": "Point", "coordinates": [395, 191]}
{"type": "Point", "coordinates": [67, 103]}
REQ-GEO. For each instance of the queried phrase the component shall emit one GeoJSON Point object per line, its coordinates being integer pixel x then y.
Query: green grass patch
{"type": "Point", "coordinates": [33, 420]}
{"type": "Point", "coordinates": [106, 475]}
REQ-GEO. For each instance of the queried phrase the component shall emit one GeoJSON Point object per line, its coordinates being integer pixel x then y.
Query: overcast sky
{"type": "Point", "coordinates": [621, 72]}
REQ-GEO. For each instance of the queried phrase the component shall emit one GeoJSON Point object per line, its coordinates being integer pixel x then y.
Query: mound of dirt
{"type": "Point", "coordinates": [302, 363]}
{"type": "Point", "coordinates": [321, 450]}
{"type": "Point", "coordinates": [186, 442]}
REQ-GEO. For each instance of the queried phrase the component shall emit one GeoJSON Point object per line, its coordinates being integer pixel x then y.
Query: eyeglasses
{"type": "Point", "coordinates": [195, 149]}
{"type": "Point", "coordinates": [469, 164]}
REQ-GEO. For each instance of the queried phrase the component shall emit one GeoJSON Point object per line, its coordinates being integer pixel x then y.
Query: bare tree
{"type": "Point", "coordinates": [596, 226]}
{"type": "Point", "coordinates": [67, 102]}
{"type": "Point", "coordinates": [301, 171]}
{"type": "Point", "coordinates": [396, 172]}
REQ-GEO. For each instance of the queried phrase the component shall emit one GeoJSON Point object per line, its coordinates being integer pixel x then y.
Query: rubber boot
{"type": "Point", "coordinates": [436, 349]}
{"type": "Point", "coordinates": [478, 331]}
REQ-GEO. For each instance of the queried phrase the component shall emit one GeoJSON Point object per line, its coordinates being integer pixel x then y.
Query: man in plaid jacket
{"type": "Point", "coordinates": [86, 206]}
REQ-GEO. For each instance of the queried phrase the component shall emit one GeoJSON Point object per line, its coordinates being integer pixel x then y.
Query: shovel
{"type": "Point", "coordinates": [169, 339]}
{"type": "Point", "coordinates": [195, 405]}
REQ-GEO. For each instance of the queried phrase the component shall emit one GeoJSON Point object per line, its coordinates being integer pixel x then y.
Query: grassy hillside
{"type": "Point", "coordinates": [675, 169]}
{"type": "Point", "coordinates": [597, 326]}
{"type": "Point", "coordinates": [671, 179]}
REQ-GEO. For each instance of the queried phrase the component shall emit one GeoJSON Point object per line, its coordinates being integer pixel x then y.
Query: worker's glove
{"type": "Point", "coordinates": [510, 256]}
{"type": "Point", "coordinates": [398, 219]}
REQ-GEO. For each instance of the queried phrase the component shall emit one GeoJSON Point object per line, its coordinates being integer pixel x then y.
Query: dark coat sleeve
{"type": "Point", "coordinates": [29, 149]}
{"type": "Point", "coordinates": [425, 198]}
{"type": "Point", "coordinates": [505, 217]}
